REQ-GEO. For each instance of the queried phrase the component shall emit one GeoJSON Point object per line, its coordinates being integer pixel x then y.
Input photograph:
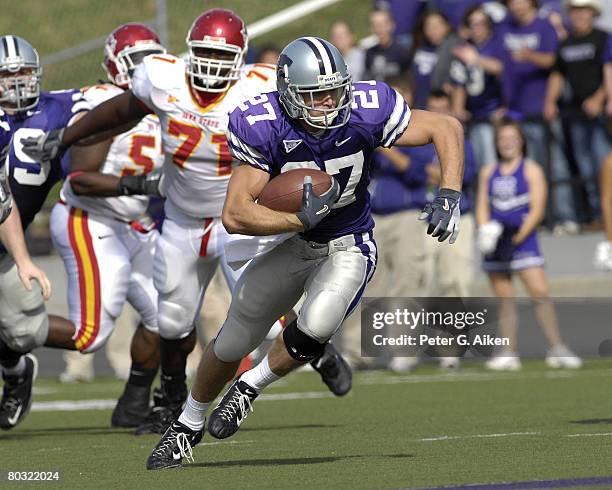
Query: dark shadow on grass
{"type": "Point", "coordinates": [293, 461]}
{"type": "Point", "coordinates": [591, 421]}
{"type": "Point", "coordinates": [55, 431]}
{"type": "Point", "coordinates": [288, 427]}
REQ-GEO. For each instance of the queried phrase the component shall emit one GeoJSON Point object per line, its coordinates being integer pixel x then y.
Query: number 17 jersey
{"type": "Point", "coordinates": [197, 161]}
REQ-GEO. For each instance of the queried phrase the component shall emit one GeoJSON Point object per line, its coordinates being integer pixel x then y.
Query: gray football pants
{"type": "Point", "coordinates": [333, 276]}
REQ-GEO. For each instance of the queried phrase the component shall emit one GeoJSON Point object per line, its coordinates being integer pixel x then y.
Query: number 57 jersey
{"type": "Point", "coordinates": [197, 161]}
{"type": "Point", "coordinates": [262, 135]}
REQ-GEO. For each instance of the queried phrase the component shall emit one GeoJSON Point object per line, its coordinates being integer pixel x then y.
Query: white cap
{"type": "Point", "coordinates": [594, 4]}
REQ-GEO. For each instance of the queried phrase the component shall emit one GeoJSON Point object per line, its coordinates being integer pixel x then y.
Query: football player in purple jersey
{"type": "Point", "coordinates": [316, 119]}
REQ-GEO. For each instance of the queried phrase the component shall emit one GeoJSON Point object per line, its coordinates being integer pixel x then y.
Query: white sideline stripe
{"type": "Point", "coordinates": [478, 436]}
{"type": "Point", "coordinates": [590, 435]}
{"type": "Point", "coordinates": [479, 376]}
{"type": "Point", "coordinates": [107, 404]}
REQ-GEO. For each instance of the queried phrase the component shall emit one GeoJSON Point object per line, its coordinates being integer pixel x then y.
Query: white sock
{"type": "Point", "coordinates": [194, 413]}
{"type": "Point", "coordinates": [260, 376]}
{"type": "Point", "coordinates": [17, 370]}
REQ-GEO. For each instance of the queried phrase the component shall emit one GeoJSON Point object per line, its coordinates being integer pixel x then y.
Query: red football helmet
{"type": "Point", "coordinates": [217, 43]}
{"type": "Point", "coordinates": [125, 47]}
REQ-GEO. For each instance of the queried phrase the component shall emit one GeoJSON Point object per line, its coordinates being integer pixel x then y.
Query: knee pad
{"type": "Point", "coordinates": [299, 345]}
{"type": "Point", "coordinates": [173, 322]}
{"type": "Point", "coordinates": [30, 333]}
{"type": "Point", "coordinates": [323, 313]}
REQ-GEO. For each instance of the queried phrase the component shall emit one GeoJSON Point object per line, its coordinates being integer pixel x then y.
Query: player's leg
{"type": "Point", "coordinates": [133, 405]}
{"type": "Point", "coordinates": [182, 270]}
{"type": "Point", "coordinates": [507, 359]}
{"type": "Point", "coordinates": [268, 287]}
{"type": "Point", "coordinates": [98, 268]}
{"type": "Point", "coordinates": [23, 327]}
{"type": "Point", "coordinates": [559, 355]}
{"type": "Point", "coordinates": [333, 289]}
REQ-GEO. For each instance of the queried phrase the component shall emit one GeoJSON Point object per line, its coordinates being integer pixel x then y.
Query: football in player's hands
{"type": "Point", "coordinates": [284, 192]}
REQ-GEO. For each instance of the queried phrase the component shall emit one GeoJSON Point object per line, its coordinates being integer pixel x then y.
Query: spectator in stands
{"type": "Point", "coordinates": [580, 63]}
{"type": "Point", "coordinates": [510, 205]}
{"type": "Point", "coordinates": [603, 253]}
{"type": "Point", "coordinates": [476, 72]}
{"type": "Point", "coordinates": [531, 43]}
{"type": "Point", "coordinates": [268, 53]}
{"type": "Point", "coordinates": [387, 58]}
{"type": "Point", "coordinates": [431, 55]}
{"type": "Point", "coordinates": [341, 35]}
{"type": "Point", "coordinates": [454, 10]}
{"type": "Point", "coordinates": [450, 270]}
{"type": "Point", "coordinates": [607, 58]}
{"type": "Point", "coordinates": [405, 15]}
{"type": "Point", "coordinates": [397, 190]}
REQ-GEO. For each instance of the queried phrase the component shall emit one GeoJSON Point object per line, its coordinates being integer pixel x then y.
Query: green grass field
{"type": "Point", "coordinates": [425, 429]}
{"type": "Point", "coordinates": [55, 25]}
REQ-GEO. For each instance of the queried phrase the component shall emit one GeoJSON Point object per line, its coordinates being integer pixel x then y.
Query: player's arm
{"type": "Point", "coordinates": [241, 214]}
{"type": "Point", "coordinates": [446, 133]}
{"type": "Point", "coordinates": [605, 184]}
{"type": "Point", "coordinates": [11, 236]}
{"type": "Point", "coordinates": [86, 179]}
{"type": "Point", "coordinates": [537, 201]}
{"type": "Point", "coordinates": [123, 109]}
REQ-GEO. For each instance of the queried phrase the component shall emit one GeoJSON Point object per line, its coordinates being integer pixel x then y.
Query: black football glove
{"type": "Point", "coordinates": [315, 208]}
{"type": "Point", "coordinates": [45, 147]}
{"type": "Point", "coordinates": [145, 184]}
{"type": "Point", "coordinates": [443, 215]}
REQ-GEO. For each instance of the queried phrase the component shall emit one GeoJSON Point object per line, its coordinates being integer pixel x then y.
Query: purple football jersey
{"type": "Point", "coordinates": [262, 135]}
{"type": "Point", "coordinates": [31, 181]}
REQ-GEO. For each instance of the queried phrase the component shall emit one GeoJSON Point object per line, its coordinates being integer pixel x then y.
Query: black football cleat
{"type": "Point", "coordinates": [159, 417]}
{"type": "Point", "coordinates": [232, 410]}
{"type": "Point", "coordinates": [334, 370]}
{"type": "Point", "coordinates": [132, 407]}
{"type": "Point", "coordinates": [17, 394]}
{"type": "Point", "coordinates": [176, 443]}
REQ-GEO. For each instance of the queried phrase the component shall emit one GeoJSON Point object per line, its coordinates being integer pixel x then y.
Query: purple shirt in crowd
{"type": "Point", "coordinates": [525, 83]}
{"type": "Point", "coordinates": [484, 91]}
{"type": "Point", "coordinates": [405, 14]}
{"type": "Point", "coordinates": [607, 56]}
{"type": "Point", "coordinates": [262, 135]}
{"type": "Point", "coordinates": [454, 9]}
{"type": "Point", "coordinates": [423, 63]}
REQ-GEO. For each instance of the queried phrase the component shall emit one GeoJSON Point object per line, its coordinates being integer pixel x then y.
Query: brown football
{"type": "Point", "coordinates": [284, 192]}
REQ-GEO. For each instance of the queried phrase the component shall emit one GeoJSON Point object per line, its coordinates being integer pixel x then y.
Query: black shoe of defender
{"type": "Point", "coordinates": [132, 407]}
{"type": "Point", "coordinates": [232, 410]}
{"type": "Point", "coordinates": [17, 394]}
{"type": "Point", "coordinates": [163, 412]}
{"type": "Point", "coordinates": [176, 443]}
{"type": "Point", "coordinates": [334, 370]}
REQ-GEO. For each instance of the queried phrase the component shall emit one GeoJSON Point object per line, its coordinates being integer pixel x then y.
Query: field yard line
{"type": "Point", "coordinates": [477, 376]}
{"type": "Point", "coordinates": [529, 484]}
{"type": "Point", "coordinates": [107, 404]}
{"type": "Point", "coordinates": [478, 436]}
{"type": "Point", "coordinates": [590, 435]}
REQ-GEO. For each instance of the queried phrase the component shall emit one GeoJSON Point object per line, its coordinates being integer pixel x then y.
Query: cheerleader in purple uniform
{"type": "Point", "coordinates": [511, 203]}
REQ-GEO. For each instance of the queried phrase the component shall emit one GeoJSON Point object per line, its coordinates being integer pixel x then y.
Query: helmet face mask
{"type": "Point", "coordinates": [125, 48]}
{"type": "Point", "coordinates": [217, 43]}
{"type": "Point", "coordinates": [20, 75]}
{"type": "Point", "coordinates": [311, 72]}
